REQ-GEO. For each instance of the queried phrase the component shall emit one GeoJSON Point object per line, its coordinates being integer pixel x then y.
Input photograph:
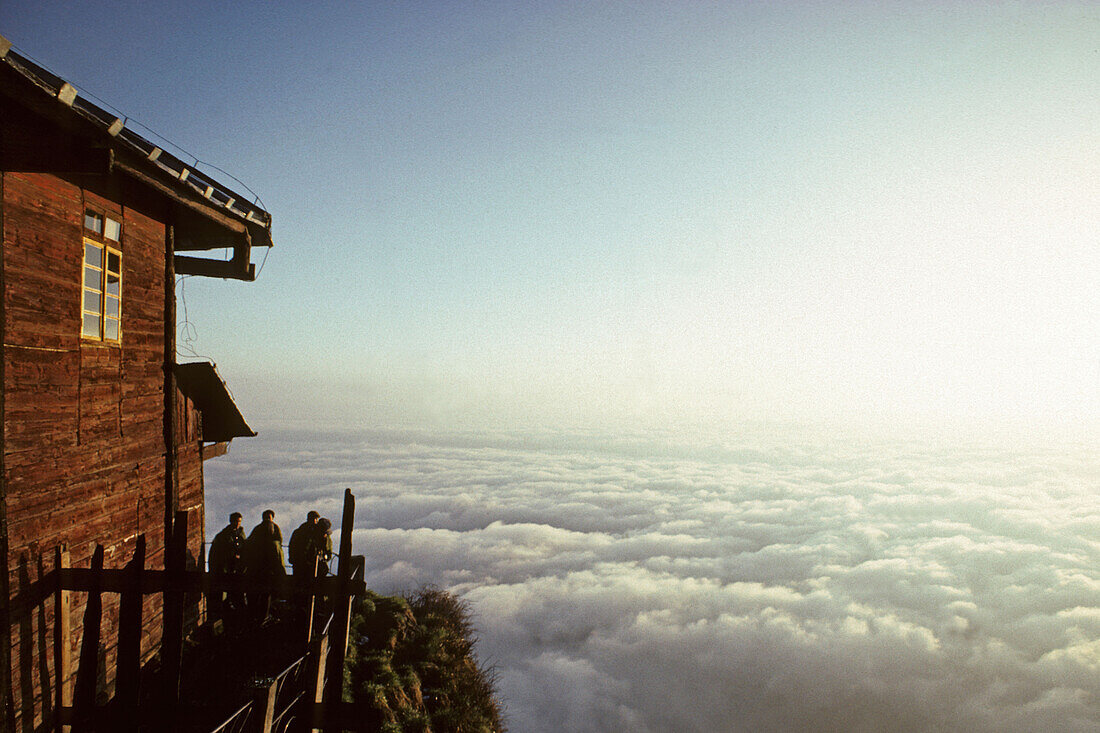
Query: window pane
{"type": "Point", "coordinates": [91, 302]}
{"type": "Point", "coordinates": [91, 326]}
{"type": "Point", "coordinates": [110, 329]}
{"type": "Point", "coordinates": [93, 278]}
{"type": "Point", "coordinates": [112, 230]}
{"type": "Point", "coordinates": [114, 262]}
{"type": "Point", "coordinates": [112, 307]}
{"type": "Point", "coordinates": [113, 283]}
{"type": "Point", "coordinates": [93, 255]}
{"type": "Point", "coordinates": [93, 221]}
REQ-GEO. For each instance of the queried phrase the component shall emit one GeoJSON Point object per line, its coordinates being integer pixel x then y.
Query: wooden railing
{"type": "Point", "coordinates": [308, 690]}
{"type": "Point", "coordinates": [283, 701]}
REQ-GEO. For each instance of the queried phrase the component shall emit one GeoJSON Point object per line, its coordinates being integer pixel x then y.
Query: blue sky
{"type": "Point", "coordinates": [663, 212]}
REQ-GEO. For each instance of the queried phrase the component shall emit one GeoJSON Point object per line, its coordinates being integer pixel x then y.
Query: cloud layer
{"type": "Point", "coordinates": [660, 583]}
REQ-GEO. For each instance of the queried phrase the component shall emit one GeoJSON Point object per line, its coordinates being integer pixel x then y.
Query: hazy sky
{"type": "Point", "coordinates": [579, 213]}
{"type": "Point", "coordinates": [567, 212]}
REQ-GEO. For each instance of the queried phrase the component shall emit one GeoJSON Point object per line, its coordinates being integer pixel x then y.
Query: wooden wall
{"type": "Point", "coordinates": [84, 430]}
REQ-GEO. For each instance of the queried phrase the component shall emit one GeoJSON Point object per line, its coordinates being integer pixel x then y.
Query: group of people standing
{"type": "Point", "coordinates": [261, 556]}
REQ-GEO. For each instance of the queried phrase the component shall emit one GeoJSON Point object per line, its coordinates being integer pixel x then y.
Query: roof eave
{"type": "Point", "coordinates": [199, 197]}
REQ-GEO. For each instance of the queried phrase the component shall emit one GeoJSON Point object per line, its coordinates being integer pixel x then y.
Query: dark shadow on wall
{"type": "Point", "coordinates": [29, 616]}
{"type": "Point", "coordinates": [26, 645]}
{"type": "Point", "coordinates": [44, 650]}
{"type": "Point", "coordinates": [91, 678]}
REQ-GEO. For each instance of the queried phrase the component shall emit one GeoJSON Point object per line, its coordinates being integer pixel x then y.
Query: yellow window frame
{"type": "Point", "coordinates": [101, 293]}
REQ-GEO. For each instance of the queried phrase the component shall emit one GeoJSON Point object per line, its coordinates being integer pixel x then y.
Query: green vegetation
{"type": "Point", "coordinates": [413, 660]}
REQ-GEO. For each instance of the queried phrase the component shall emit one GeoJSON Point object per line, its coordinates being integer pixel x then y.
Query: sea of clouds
{"type": "Point", "coordinates": [747, 582]}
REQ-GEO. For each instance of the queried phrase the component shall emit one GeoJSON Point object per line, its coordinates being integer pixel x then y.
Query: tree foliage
{"type": "Point", "coordinates": [413, 659]}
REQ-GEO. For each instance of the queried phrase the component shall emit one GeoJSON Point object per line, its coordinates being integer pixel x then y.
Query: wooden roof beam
{"type": "Point", "coordinates": [225, 269]}
{"type": "Point", "coordinates": [173, 194]}
{"type": "Point", "coordinates": [196, 232]}
{"type": "Point", "coordinates": [213, 450]}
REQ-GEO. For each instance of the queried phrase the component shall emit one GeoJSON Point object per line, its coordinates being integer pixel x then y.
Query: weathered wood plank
{"type": "Point", "coordinates": [84, 427]}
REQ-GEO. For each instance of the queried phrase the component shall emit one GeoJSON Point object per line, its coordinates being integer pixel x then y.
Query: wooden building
{"type": "Point", "coordinates": [103, 435]}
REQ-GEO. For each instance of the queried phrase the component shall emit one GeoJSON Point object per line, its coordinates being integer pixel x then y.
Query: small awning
{"type": "Point", "coordinates": [221, 420]}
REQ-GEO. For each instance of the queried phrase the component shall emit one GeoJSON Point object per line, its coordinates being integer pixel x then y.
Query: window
{"type": "Point", "coordinates": [101, 293]}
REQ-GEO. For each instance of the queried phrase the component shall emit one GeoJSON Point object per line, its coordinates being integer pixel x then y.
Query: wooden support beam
{"type": "Point", "coordinates": [62, 641]}
{"type": "Point", "coordinates": [213, 450]}
{"type": "Point", "coordinates": [225, 269]}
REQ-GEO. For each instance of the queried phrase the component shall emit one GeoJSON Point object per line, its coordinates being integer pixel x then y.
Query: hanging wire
{"type": "Point", "coordinates": [256, 197]}
{"type": "Point", "coordinates": [187, 333]}
{"type": "Point", "coordinates": [260, 269]}
{"type": "Point", "coordinates": [190, 332]}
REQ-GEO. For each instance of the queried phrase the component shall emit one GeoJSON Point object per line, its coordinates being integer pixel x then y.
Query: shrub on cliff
{"type": "Point", "coordinates": [413, 660]}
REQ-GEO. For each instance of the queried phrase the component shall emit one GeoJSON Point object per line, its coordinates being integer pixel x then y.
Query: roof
{"type": "Point", "coordinates": [221, 420]}
{"type": "Point", "coordinates": [210, 215]}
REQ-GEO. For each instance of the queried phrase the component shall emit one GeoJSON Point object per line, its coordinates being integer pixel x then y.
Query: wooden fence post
{"type": "Point", "coordinates": [263, 707]}
{"type": "Point", "coordinates": [62, 642]}
{"type": "Point", "coordinates": [312, 600]}
{"type": "Point", "coordinates": [315, 676]}
{"type": "Point", "coordinates": [334, 692]}
{"type": "Point", "coordinates": [128, 663]}
{"type": "Point", "coordinates": [87, 674]}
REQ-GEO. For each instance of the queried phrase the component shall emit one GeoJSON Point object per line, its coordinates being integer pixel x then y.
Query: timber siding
{"type": "Point", "coordinates": [84, 446]}
{"type": "Point", "coordinates": [98, 447]}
